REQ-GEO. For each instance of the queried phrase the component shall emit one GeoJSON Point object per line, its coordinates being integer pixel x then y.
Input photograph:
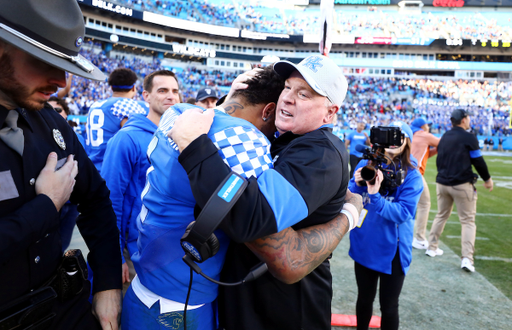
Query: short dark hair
{"type": "Point", "coordinates": [265, 88]}
{"type": "Point", "coordinates": [148, 81]}
{"type": "Point", "coordinates": [62, 103]}
{"type": "Point", "coordinates": [456, 122]}
{"type": "Point", "coordinates": [122, 78]}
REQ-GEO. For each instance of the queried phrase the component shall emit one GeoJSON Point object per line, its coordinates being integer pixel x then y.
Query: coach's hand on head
{"type": "Point", "coordinates": [241, 81]}
{"type": "Point", "coordinates": [190, 125]}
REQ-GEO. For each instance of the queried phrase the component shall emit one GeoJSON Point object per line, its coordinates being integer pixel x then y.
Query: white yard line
{"type": "Point", "coordinates": [493, 258]}
{"type": "Point", "coordinates": [482, 214]}
{"type": "Point", "coordinates": [477, 238]}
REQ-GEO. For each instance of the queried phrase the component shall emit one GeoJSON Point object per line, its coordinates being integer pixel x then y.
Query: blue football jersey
{"type": "Point", "coordinates": [168, 204]}
{"type": "Point", "coordinates": [103, 122]}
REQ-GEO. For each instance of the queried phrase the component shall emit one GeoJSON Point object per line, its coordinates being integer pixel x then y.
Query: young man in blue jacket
{"type": "Point", "coordinates": [125, 163]}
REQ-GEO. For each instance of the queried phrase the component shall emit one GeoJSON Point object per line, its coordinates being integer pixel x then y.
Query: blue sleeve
{"type": "Point", "coordinates": [403, 207]}
{"type": "Point", "coordinates": [352, 185]}
{"type": "Point", "coordinates": [117, 171]}
{"type": "Point", "coordinates": [350, 136]}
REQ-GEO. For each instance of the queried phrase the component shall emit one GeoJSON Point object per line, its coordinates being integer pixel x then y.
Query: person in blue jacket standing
{"type": "Point", "coordinates": [381, 245]}
{"type": "Point", "coordinates": [125, 163]}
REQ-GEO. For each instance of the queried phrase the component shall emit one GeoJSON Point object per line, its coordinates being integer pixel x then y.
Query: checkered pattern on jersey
{"type": "Point", "coordinates": [124, 108]}
{"type": "Point", "coordinates": [245, 150]}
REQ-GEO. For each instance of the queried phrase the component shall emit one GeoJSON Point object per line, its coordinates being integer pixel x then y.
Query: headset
{"type": "Point", "coordinates": [200, 243]}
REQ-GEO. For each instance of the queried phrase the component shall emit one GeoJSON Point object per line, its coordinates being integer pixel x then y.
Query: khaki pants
{"type": "Point", "coordinates": [465, 196]}
{"type": "Point", "coordinates": [420, 226]}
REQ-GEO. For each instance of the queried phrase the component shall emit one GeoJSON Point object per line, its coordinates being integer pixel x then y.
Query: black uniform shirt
{"type": "Point", "coordinates": [312, 165]}
{"type": "Point", "coordinates": [456, 152]}
{"type": "Point", "coordinates": [30, 243]}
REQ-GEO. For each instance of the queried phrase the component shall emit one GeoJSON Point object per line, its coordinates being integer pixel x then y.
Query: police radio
{"type": "Point", "coordinates": [200, 243]}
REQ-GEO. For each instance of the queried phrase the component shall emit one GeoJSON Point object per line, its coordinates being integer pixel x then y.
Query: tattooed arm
{"type": "Point", "coordinates": [291, 255]}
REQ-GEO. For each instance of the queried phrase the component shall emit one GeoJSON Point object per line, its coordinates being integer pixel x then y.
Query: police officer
{"type": "Point", "coordinates": [42, 166]}
{"type": "Point", "coordinates": [457, 151]}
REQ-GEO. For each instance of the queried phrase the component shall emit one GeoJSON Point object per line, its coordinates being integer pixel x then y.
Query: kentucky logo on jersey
{"type": "Point", "coordinates": [57, 136]}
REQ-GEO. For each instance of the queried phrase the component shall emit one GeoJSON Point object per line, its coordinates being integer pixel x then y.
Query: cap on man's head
{"type": "Point", "coordinates": [50, 30]}
{"type": "Point", "coordinates": [459, 114]}
{"type": "Point", "coordinates": [418, 122]}
{"type": "Point", "coordinates": [322, 75]}
{"type": "Point", "coordinates": [406, 130]}
{"type": "Point", "coordinates": [205, 93]}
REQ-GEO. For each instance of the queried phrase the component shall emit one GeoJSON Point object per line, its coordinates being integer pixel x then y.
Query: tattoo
{"type": "Point", "coordinates": [300, 252]}
{"type": "Point", "coordinates": [232, 106]}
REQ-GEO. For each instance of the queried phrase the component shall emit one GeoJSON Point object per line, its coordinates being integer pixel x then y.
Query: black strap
{"type": "Point", "coordinates": [219, 204]}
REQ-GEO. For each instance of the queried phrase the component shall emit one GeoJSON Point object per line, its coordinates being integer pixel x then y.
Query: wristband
{"type": "Point", "coordinates": [353, 210]}
{"type": "Point", "coordinates": [350, 219]}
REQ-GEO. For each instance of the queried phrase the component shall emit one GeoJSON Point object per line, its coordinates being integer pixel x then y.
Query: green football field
{"type": "Point", "coordinates": [493, 255]}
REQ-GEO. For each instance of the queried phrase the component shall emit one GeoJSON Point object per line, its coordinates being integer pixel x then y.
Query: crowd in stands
{"type": "Point", "coordinates": [373, 100]}
{"type": "Point", "coordinates": [253, 15]}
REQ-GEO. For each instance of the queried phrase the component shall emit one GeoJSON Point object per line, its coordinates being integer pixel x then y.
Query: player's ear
{"type": "Point", "coordinates": [268, 111]}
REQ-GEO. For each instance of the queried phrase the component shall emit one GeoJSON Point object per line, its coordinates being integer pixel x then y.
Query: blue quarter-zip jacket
{"type": "Point", "coordinates": [388, 225]}
{"type": "Point", "coordinates": [124, 169]}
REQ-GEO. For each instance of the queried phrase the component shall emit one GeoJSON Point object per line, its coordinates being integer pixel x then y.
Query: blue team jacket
{"type": "Point", "coordinates": [124, 169]}
{"type": "Point", "coordinates": [388, 225]}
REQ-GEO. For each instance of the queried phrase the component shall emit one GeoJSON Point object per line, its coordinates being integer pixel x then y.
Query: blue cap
{"type": "Point", "coordinates": [406, 130]}
{"type": "Point", "coordinates": [418, 122]}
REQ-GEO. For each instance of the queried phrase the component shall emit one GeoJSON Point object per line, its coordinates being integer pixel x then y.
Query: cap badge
{"type": "Point", "coordinates": [57, 136]}
{"type": "Point", "coordinates": [313, 63]}
{"type": "Point", "coordinates": [208, 91]}
{"type": "Point", "coordinates": [79, 41]}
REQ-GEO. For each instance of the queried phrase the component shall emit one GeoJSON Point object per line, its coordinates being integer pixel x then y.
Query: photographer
{"type": "Point", "coordinates": [381, 245]}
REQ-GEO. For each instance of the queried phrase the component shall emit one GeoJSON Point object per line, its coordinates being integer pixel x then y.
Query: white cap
{"type": "Point", "coordinates": [322, 75]}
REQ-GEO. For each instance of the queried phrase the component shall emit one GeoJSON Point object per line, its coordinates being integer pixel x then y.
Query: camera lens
{"type": "Point", "coordinates": [368, 173]}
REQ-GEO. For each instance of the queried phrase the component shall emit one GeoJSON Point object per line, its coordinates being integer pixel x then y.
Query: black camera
{"type": "Point", "coordinates": [382, 137]}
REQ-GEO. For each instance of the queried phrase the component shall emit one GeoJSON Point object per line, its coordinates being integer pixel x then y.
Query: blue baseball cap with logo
{"type": "Point", "coordinates": [321, 73]}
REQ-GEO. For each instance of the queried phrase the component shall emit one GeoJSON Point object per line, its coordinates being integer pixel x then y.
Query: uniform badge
{"type": "Point", "coordinates": [57, 136]}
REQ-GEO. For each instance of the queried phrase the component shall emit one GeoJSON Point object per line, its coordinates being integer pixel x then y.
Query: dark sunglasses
{"type": "Point", "coordinates": [58, 109]}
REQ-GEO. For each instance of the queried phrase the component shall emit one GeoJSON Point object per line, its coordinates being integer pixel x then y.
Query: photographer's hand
{"type": "Point", "coordinates": [357, 177]}
{"type": "Point", "coordinates": [374, 188]}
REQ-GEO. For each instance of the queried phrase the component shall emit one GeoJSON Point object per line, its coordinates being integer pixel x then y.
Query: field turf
{"type": "Point", "coordinates": [493, 247]}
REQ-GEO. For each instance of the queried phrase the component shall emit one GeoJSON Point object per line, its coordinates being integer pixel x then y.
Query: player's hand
{"type": "Point", "coordinates": [489, 185]}
{"type": "Point", "coordinates": [354, 199]}
{"type": "Point", "coordinates": [126, 273]}
{"type": "Point", "coordinates": [357, 177]}
{"type": "Point", "coordinates": [374, 188]}
{"type": "Point", "coordinates": [241, 81]}
{"type": "Point", "coordinates": [106, 306]}
{"type": "Point", "coordinates": [190, 125]}
{"type": "Point", "coordinates": [57, 184]}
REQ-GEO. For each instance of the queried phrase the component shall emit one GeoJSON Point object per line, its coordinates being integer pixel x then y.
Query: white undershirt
{"type": "Point", "coordinates": [149, 298]}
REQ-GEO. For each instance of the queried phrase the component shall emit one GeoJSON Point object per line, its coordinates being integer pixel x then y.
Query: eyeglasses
{"type": "Point", "coordinates": [58, 109]}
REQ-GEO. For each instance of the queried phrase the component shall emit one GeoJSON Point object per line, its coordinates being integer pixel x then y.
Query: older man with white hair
{"type": "Point", "coordinates": [311, 165]}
